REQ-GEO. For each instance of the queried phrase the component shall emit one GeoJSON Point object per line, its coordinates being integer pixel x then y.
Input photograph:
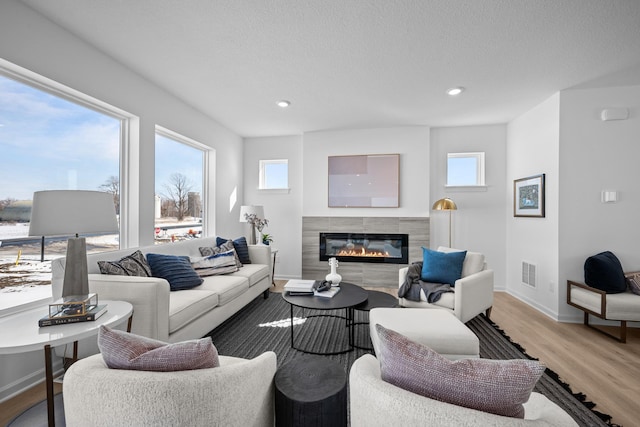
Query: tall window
{"type": "Point", "coordinates": [180, 172]}
{"type": "Point", "coordinates": [465, 169]}
{"type": "Point", "coordinates": [48, 142]}
{"type": "Point", "coordinates": [274, 174]}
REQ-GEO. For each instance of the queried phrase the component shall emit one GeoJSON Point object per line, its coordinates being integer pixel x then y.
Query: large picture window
{"type": "Point", "coordinates": [50, 139]}
{"type": "Point", "coordinates": [180, 173]}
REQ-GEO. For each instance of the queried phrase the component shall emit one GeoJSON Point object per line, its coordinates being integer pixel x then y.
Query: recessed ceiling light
{"type": "Point", "coordinates": [283, 104]}
{"type": "Point", "coordinates": [454, 91]}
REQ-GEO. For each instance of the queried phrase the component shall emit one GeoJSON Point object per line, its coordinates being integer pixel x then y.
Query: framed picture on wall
{"type": "Point", "coordinates": [364, 181]}
{"type": "Point", "coordinates": [528, 196]}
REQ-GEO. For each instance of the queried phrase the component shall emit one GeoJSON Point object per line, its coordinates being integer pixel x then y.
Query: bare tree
{"type": "Point", "coordinates": [178, 190]}
{"type": "Point", "coordinates": [6, 202]}
{"type": "Point", "coordinates": [112, 185]}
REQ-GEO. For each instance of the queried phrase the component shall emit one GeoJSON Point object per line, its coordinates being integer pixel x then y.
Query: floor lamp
{"type": "Point", "coordinates": [247, 210]}
{"type": "Point", "coordinates": [446, 204]}
{"type": "Point", "coordinates": [69, 212]}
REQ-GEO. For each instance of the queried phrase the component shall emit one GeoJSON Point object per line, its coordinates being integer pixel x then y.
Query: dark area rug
{"type": "Point", "coordinates": [265, 325]}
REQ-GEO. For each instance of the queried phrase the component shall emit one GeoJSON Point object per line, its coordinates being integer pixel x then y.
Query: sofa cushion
{"type": "Point", "coordinates": [253, 272]}
{"type": "Point", "coordinates": [240, 244]}
{"type": "Point", "coordinates": [174, 269]}
{"type": "Point", "coordinates": [224, 247]}
{"type": "Point", "coordinates": [189, 304]}
{"type": "Point", "coordinates": [603, 271]}
{"type": "Point", "coordinates": [131, 265]}
{"type": "Point", "coordinates": [442, 267]}
{"type": "Point", "coordinates": [227, 287]}
{"type": "Point", "coordinates": [496, 386]}
{"type": "Point", "coordinates": [122, 350]}
{"type": "Point", "coordinates": [633, 281]}
{"type": "Point", "coordinates": [222, 263]}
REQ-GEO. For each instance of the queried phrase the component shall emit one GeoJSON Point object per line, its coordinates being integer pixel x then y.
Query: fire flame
{"type": "Point", "coordinates": [363, 252]}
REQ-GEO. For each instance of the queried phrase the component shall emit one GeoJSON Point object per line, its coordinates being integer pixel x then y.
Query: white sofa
{"type": "Point", "coordinates": [374, 402]}
{"type": "Point", "coordinates": [239, 392]}
{"type": "Point", "coordinates": [179, 315]}
{"type": "Point", "coordinates": [472, 295]}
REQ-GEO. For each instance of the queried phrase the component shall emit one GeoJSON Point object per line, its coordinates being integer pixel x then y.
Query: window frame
{"type": "Point", "coordinates": [479, 157]}
{"type": "Point", "coordinates": [262, 175]}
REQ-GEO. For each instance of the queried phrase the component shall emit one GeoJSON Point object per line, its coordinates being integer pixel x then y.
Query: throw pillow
{"type": "Point", "coordinates": [496, 386]}
{"type": "Point", "coordinates": [603, 271]}
{"type": "Point", "coordinates": [224, 247]}
{"type": "Point", "coordinates": [240, 244]}
{"type": "Point", "coordinates": [131, 265]}
{"type": "Point", "coordinates": [441, 267]}
{"type": "Point", "coordinates": [122, 350]}
{"type": "Point", "coordinates": [221, 263]}
{"type": "Point", "coordinates": [174, 269]}
{"type": "Point", "coordinates": [634, 283]}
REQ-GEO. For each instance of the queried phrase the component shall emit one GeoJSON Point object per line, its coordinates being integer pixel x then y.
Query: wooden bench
{"type": "Point", "coordinates": [623, 307]}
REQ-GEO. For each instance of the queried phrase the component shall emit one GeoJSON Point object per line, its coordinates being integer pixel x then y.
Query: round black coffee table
{"type": "Point", "coordinates": [349, 296]}
{"type": "Point", "coordinates": [375, 299]}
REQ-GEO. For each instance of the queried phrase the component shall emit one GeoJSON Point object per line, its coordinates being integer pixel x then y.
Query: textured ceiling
{"type": "Point", "coordinates": [361, 63]}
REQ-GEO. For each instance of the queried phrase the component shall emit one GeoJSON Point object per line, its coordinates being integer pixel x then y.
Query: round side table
{"type": "Point", "coordinates": [376, 299]}
{"type": "Point", "coordinates": [311, 391]}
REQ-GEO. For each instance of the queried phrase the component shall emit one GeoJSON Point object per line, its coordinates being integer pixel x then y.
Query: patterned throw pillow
{"type": "Point", "coordinates": [241, 247]}
{"type": "Point", "coordinates": [222, 263]}
{"type": "Point", "coordinates": [224, 247]}
{"type": "Point", "coordinates": [174, 269]}
{"type": "Point", "coordinates": [122, 350]}
{"type": "Point", "coordinates": [495, 386]}
{"type": "Point", "coordinates": [131, 265]}
{"type": "Point", "coordinates": [633, 282]}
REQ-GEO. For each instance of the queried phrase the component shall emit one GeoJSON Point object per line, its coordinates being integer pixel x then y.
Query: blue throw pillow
{"type": "Point", "coordinates": [241, 247]}
{"type": "Point", "coordinates": [441, 267]}
{"type": "Point", "coordinates": [174, 269]}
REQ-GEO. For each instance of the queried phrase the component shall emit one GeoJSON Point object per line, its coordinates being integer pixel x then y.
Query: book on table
{"type": "Point", "coordinates": [329, 293]}
{"type": "Point", "coordinates": [299, 287]}
{"type": "Point", "coordinates": [92, 314]}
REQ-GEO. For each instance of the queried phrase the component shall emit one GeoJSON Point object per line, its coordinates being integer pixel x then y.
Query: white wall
{"type": "Point", "coordinates": [412, 143]}
{"type": "Point", "coordinates": [533, 141]}
{"type": "Point", "coordinates": [479, 223]}
{"type": "Point", "coordinates": [30, 41]}
{"type": "Point", "coordinates": [596, 156]}
{"type": "Point", "coordinates": [283, 209]}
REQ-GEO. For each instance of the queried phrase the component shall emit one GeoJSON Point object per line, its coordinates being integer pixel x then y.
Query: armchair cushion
{"type": "Point", "coordinates": [604, 271]}
{"type": "Point", "coordinates": [473, 261]}
{"type": "Point", "coordinates": [122, 350]}
{"type": "Point", "coordinates": [499, 387]}
{"type": "Point", "coordinates": [442, 267]}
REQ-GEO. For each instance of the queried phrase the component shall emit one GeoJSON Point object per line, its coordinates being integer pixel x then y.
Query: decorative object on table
{"type": "Point", "coordinates": [254, 215]}
{"type": "Point", "coordinates": [299, 287]}
{"type": "Point", "coordinates": [266, 238]}
{"type": "Point", "coordinates": [528, 196]}
{"type": "Point", "coordinates": [446, 204]}
{"type": "Point", "coordinates": [66, 212]}
{"type": "Point", "coordinates": [89, 316]}
{"type": "Point", "coordinates": [73, 305]}
{"type": "Point", "coordinates": [333, 276]}
{"type": "Point", "coordinates": [326, 292]}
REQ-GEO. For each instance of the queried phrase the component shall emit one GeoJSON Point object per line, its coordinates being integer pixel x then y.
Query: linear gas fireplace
{"type": "Point", "coordinates": [365, 247]}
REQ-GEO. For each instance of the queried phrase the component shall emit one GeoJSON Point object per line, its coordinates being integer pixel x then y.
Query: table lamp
{"type": "Point", "coordinates": [247, 210]}
{"type": "Point", "coordinates": [68, 212]}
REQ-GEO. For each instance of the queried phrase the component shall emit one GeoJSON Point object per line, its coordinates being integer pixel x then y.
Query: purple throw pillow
{"type": "Point", "coordinates": [496, 386]}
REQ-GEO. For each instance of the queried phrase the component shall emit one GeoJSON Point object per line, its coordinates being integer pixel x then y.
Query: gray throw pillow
{"type": "Point", "coordinates": [633, 282]}
{"type": "Point", "coordinates": [122, 350]}
{"type": "Point", "coordinates": [222, 263]}
{"type": "Point", "coordinates": [131, 265]}
{"type": "Point", "coordinates": [495, 386]}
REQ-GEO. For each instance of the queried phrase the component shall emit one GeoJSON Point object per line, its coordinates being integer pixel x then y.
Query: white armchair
{"type": "Point", "coordinates": [473, 292]}
{"type": "Point", "coordinates": [239, 392]}
{"type": "Point", "coordinates": [374, 402]}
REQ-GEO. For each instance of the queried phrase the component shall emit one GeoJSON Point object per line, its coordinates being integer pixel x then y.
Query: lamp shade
{"type": "Point", "coordinates": [65, 212]}
{"type": "Point", "coordinates": [445, 204]}
{"type": "Point", "coordinates": [257, 210]}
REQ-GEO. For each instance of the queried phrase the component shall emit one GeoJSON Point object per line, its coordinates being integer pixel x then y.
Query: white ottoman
{"type": "Point", "coordinates": [437, 329]}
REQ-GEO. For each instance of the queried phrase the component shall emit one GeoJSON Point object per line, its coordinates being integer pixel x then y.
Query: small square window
{"type": "Point", "coordinates": [274, 174]}
{"type": "Point", "coordinates": [465, 169]}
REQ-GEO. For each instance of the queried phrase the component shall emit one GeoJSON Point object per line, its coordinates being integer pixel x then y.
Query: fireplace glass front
{"type": "Point", "coordinates": [365, 247]}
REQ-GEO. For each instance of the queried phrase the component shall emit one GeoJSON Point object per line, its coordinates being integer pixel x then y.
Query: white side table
{"type": "Point", "coordinates": [19, 333]}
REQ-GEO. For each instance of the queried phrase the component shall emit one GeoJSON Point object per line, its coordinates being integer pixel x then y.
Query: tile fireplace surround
{"type": "Point", "coordinates": [360, 273]}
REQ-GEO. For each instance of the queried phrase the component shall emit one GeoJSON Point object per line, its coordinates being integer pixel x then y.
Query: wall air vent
{"type": "Point", "coordinates": [529, 274]}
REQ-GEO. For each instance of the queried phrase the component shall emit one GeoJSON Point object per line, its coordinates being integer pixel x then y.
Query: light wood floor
{"type": "Point", "coordinates": [606, 371]}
